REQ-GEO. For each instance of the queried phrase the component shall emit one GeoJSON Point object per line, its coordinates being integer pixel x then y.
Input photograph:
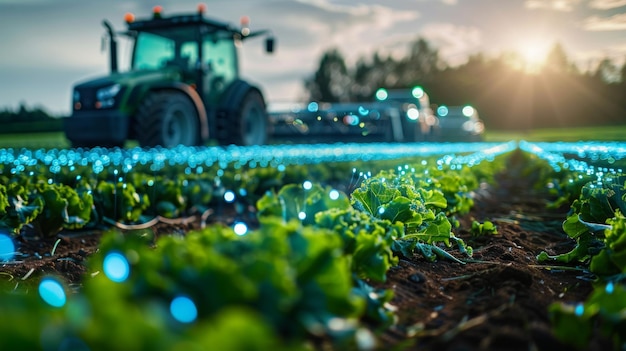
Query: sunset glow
{"type": "Point", "coordinates": [533, 53]}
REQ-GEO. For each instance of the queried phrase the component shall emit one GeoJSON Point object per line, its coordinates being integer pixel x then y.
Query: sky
{"type": "Point", "coordinates": [46, 46]}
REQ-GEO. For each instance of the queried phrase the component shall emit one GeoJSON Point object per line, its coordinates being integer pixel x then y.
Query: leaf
{"type": "Point", "coordinates": [434, 198]}
{"type": "Point", "coordinates": [586, 246]}
{"type": "Point", "coordinates": [574, 227]}
{"type": "Point", "coordinates": [437, 230]}
{"type": "Point", "coordinates": [399, 210]}
{"type": "Point", "coordinates": [594, 227]}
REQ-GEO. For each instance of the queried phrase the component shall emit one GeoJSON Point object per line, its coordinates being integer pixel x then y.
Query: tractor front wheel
{"type": "Point", "coordinates": [167, 119]}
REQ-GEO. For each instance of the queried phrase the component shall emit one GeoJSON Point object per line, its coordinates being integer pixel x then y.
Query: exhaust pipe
{"type": "Point", "coordinates": [113, 46]}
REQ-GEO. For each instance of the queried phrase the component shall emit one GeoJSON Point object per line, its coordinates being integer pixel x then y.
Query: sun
{"type": "Point", "coordinates": [533, 54]}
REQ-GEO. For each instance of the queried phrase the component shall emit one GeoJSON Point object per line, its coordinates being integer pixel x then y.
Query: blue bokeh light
{"type": "Point", "coordinates": [116, 267]}
{"type": "Point", "coordinates": [183, 309]}
{"type": "Point", "coordinates": [579, 310]}
{"type": "Point", "coordinates": [7, 247]}
{"type": "Point", "coordinates": [333, 194]}
{"type": "Point", "coordinates": [52, 292]}
{"type": "Point", "coordinates": [229, 196]}
{"type": "Point", "coordinates": [609, 288]}
{"type": "Point", "coordinates": [313, 107]}
{"type": "Point", "coordinates": [240, 228]}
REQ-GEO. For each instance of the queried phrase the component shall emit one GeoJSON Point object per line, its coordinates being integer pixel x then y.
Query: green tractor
{"type": "Point", "coordinates": [183, 87]}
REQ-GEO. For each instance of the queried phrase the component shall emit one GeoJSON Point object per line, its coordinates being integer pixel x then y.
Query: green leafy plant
{"type": "Point", "coordinates": [63, 207]}
{"type": "Point", "coordinates": [24, 207]}
{"type": "Point", "coordinates": [293, 201]}
{"type": "Point", "coordinates": [368, 240]}
{"type": "Point", "coordinates": [597, 224]}
{"type": "Point", "coordinates": [605, 309]}
{"type": "Point", "coordinates": [482, 229]}
{"type": "Point", "coordinates": [119, 201]}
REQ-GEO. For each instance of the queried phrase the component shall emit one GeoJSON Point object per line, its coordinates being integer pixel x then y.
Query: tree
{"type": "Point", "coordinates": [331, 80]}
{"type": "Point", "coordinates": [607, 71]}
{"type": "Point", "coordinates": [370, 75]}
{"type": "Point", "coordinates": [420, 66]}
{"type": "Point", "coordinates": [557, 62]}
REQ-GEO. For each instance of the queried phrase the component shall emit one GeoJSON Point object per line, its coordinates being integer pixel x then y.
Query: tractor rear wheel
{"type": "Point", "coordinates": [167, 119]}
{"type": "Point", "coordinates": [246, 124]}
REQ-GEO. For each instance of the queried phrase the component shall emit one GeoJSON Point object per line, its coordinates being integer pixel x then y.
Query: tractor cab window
{"type": "Point", "coordinates": [220, 55]}
{"type": "Point", "coordinates": [153, 51]}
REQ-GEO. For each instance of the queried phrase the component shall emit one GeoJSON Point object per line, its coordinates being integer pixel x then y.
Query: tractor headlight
{"type": "Point", "coordinates": [76, 100]}
{"type": "Point", "coordinates": [106, 96]}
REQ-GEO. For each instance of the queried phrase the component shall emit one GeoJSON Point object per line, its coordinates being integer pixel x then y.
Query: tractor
{"type": "Point", "coordinates": [182, 87]}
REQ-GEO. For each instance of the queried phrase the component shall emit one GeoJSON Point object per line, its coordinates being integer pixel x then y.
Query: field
{"type": "Point", "coordinates": [478, 246]}
{"type": "Point", "coordinates": [606, 133]}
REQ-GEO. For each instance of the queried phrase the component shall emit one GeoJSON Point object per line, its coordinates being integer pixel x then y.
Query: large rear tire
{"type": "Point", "coordinates": [167, 119]}
{"type": "Point", "coordinates": [246, 123]}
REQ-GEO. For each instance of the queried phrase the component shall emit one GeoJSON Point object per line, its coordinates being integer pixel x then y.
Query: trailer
{"type": "Point", "coordinates": [458, 123]}
{"type": "Point", "coordinates": [401, 115]}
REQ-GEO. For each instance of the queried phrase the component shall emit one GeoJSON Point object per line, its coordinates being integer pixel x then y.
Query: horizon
{"type": "Point", "coordinates": [40, 71]}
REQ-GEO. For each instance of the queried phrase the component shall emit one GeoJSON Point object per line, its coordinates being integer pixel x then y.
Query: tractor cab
{"type": "Point", "coordinates": [189, 60]}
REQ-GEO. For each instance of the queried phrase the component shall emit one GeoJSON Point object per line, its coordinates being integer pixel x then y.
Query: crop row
{"type": "Point", "coordinates": [301, 279]}
{"type": "Point", "coordinates": [596, 222]}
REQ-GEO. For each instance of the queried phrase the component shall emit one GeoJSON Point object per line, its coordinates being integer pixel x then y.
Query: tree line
{"type": "Point", "coordinates": [505, 92]}
{"type": "Point", "coordinates": [26, 119]}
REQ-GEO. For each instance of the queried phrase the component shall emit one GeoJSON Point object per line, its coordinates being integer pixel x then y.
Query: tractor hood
{"type": "Point", "coordinates": [123, 90]}
{"type": "Point", "coordinates": [130, 78]}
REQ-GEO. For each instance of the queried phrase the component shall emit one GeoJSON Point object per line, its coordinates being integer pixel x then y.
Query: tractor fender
{"type": "Point", "coordinates": [195, 98]}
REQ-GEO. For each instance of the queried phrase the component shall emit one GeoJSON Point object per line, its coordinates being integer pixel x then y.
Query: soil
{"type": "Point", "coordinates": [498, 301]}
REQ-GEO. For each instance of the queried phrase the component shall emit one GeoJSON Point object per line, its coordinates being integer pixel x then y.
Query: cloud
{"type": "Point", "coordinates": [597, 23]}
{"type": "Point", "coordinates": [607, 4]}
{"type": "Point", "coordinates": [556, 5]}
{"type": "Point", "coordinates": [307, 28]}
{"type": "Point", "coordinates": [454, 42]}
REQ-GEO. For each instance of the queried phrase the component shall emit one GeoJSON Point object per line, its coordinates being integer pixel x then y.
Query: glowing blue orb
{"type": "Point", "coordinates": [307, 185]}
{"type": "Point", "coordinates": [579, 310]}
{"type": "Point", "coordinates": [7, 247]}
{"type": "Point", "coordinates": [413, 114]}
{"type": "Point", "coordinates": [334, 194]}
{"type": "Point", "coordinates": [609, 288]}
{"type": "Point", "coordinates": [302, 215]}
{"type": "Point", "coordinates": [417, 92]}
{"type": "Point", "coordinates": [442, 111]}
{"type": "Point", "coordinates": [313, 107]}
{"type": "Point", "coordinates": [116, 267]}
{"type": "Point", "coordinates": [240, 228]}
{"type": "Point", "coordinates": [52, 292]}
{"type": "Point", "coordinates": [381, 94]}
{"type": "Point", "coordinates": [183, 309]}
{"type": "Point", "coordinates": [229, 196]}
